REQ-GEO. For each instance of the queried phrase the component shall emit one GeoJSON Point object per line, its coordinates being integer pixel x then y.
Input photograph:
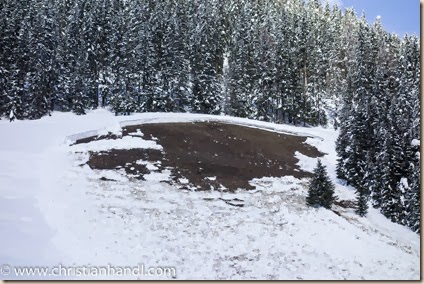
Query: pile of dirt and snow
{"type": "Point", "coordinates": [59, 206]}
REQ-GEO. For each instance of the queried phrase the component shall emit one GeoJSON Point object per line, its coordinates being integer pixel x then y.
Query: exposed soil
{"type": "Point", "coordinates": [124, 159]}
{"type": "Point", "coordinates": [209, 154]}
{"type": "Point", "coordinates": [345, 203]}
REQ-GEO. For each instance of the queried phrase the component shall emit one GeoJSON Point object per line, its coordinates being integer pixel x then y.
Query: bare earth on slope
{"type": "Point", "coordinates": [208, 155]}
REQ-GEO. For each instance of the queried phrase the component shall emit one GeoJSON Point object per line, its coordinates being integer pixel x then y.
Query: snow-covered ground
{"type": "Point", "coordinates": [53, 211]}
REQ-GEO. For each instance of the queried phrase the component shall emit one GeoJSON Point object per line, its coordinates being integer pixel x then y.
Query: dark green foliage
{"type": "Point", "coordinates": [361, 202]}
{"type": "Point", "coordinates": [321, 189]}
{"type": "Point", "coordinates": [379, 123]}
{"type": "Point", "coordinates": [284, 59]}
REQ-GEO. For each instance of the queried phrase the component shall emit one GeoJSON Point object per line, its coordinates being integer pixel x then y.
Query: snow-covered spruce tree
{"type": "Point", "coordinates": [157, 91]}
{"type": "Point", "coordinates": [240, 96]}
{"type": "Point", "coordinates": [264, 50]}
{"type": "Point", "coordinates": [348, 47]}
{"type": "Point", "coordinates": [42, 73]}
{"type": "Point", "coordinates": [317, 63]}
{"type": "Point", "coordinates": [128, 58]}
{"type": "Point", "coordinates": [412, 196]}
{"type": "Point", "coordinates": [385, 89]}
{"type": "Point", "coordinates": [402, 128]}
{"type": "Point", "coordinates": [361, 202]}
{"type": "Point", "coordinates": [9, 44]}
{"type": "Point", "coordinates": [4, 38]}
{"type": "Point", "coordinates": [178, 60]}
{"type": "Point", "coordinates": [343, 149]}
{"type": "Point", "coordinates": [295, 86]}
{"type": "Point", "coordinates": [239, 60]}
{"type": "Point", "coordinates": [336, 82]}
{"type": "Point", "coordinates": [65, 55]}
{"type": "Point", "coordinates": [321, 189]}
{"type": "Point", "coordinates": [206, 82]}
{"type": "Point", "coordinates": [15, 59]}
{"type": "Point", "coordinates": [301, 102]}
{"type": "Point", "coordinates": [73, 65]}
{"type": "Point", "coordinates": [359, 134]}
{"type": "Point", "coordinates": [282, 59]}
{"type": "Point", "coordinates": [413, 193]}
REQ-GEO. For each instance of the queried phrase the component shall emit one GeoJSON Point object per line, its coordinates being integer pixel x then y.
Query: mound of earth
{"type": "Point", "coordinates": [207, 155]}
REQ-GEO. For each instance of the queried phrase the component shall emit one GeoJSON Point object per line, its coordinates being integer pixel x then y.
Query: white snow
{"type": "Point", "coordinates": [54, 211]}
{"type": "Point", "coordinates": [150, 166]}
{"type": "Point", "coordinates": [127, 142]}
{"type": "Point", "coordinates": [305, 163]}
{"type": "Point", "coordinates": [415, 142]}
{"type": "Point", "coordinates": [183, 180]}
{"type": "Point", "coordinates": [114, 128]}
{"type": "Point", "coordinates": [404, 182]}
{"type": "Point", "coordinates": [137, 133]}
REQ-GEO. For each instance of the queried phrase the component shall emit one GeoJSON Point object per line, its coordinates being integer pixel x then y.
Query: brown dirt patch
{"type": "Point", "coordinates": [345, 203]}
{"type": "Point", "coordinates": [124, 159]}
{"type": "Point", "coordinates": [232, 154]}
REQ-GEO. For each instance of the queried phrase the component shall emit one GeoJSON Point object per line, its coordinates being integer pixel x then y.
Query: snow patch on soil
{"type": "Point", "coordinates": [126, 142]}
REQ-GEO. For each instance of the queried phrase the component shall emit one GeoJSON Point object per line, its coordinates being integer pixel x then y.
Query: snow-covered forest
{"type": "Point", "coordinates": [283, 61]}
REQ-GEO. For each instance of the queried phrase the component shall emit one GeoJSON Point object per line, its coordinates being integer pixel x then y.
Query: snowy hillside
{"type": "Point", "coordinates": [57, 210]}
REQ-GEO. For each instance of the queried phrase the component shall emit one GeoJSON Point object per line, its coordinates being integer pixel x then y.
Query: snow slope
{"type": "Point", "coordinates": [53, 211]}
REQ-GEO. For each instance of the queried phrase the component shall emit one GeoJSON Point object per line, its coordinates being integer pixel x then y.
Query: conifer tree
{"type": "Point", "coordinates": [361, 202]}
{"type": "Point", "coordinates": [206, 85]}
{"type": "Point", "coordinates": [241, 62]}
{"type": "Point", "coordinates": [321, 189]}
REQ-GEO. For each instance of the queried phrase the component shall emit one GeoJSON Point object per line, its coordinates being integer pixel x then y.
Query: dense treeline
{"type": "Point", "coordinates": [378, 145]}
{"type": "Point", "coordinates": [285, 61]}
{"type": "Point", "coordinates": [143, 55]}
